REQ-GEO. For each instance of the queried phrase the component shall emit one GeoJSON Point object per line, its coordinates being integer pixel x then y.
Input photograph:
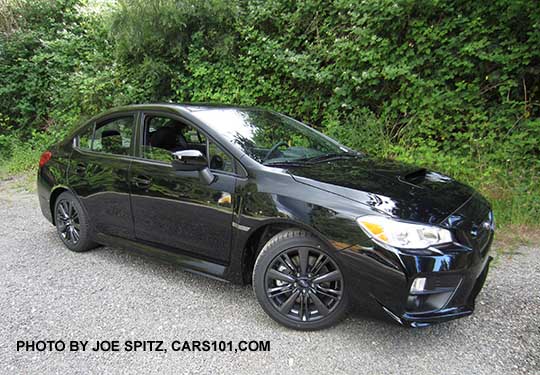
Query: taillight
{"type": "Point", "coordinates": [45, 157]}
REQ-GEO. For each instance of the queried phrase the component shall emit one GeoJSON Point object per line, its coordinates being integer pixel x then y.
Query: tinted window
{"type": "Point", "coordinates": [269, 137]}
{"type": "Point", "coordinates": [219, 160]}
{"type": "Point", "coordinates": [85, 138]}
{"type": "Point", "coordinates": [163, 136]}
{"type": "Point", "coordinates": [114, 136]}
{"type": "Point", "coordinates": [193, 136]}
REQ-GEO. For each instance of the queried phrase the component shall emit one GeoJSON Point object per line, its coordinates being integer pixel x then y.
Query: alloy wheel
{"type": "Point", "coordinates": [68, 222]}
{"type": "Point", "coordinates": [304, 284]}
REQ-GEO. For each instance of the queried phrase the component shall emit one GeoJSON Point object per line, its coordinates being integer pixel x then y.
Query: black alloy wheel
{"type": "Point", "coordinates": [302, 285]}
{"type": "Point", "coordinates": [68, 222]}
{"type": "Point", "coordinates": [72, 223]}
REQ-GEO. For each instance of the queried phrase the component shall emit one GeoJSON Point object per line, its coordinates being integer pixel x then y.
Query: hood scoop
{"type": "Point", "coordinates": [415, 178]}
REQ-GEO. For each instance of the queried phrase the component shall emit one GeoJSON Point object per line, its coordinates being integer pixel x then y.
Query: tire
{"type": "Point", "coordinates": [72, 224]}
{"type": "Point", "coordinates": [299, 283]}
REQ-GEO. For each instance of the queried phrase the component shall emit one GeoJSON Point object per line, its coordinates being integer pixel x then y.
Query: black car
{"type": "Point", "coordinates": [249, 195]}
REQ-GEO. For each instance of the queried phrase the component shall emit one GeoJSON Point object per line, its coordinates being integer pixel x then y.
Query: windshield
{"type": "Point", "coordinates": [269, 137]}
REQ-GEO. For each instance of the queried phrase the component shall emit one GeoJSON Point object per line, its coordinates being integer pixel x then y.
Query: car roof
{"type": "Point", "coordinates": [191, 107]}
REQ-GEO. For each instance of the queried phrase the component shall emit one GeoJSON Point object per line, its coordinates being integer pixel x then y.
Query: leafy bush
{"type": "Point", "coordinates": [451, 85]}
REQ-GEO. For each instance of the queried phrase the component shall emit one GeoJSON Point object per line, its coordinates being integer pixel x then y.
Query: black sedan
{"type": "Point", "coordinates": [249, 195]}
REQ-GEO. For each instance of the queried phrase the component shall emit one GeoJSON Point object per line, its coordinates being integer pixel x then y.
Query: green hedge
{"type": "Point", "coordinates": [453, 85]}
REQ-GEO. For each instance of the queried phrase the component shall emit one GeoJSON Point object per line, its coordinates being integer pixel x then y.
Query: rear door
{"type": "Point", "coordinates": [177, 211]}
{"type": "Point", "coordinates": [99, 171]}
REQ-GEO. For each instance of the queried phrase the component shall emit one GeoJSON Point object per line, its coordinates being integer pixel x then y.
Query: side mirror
{"type": "Point", "coordinates": [193, 160]}
{"type": "Point", "coordinates": [189, 160]}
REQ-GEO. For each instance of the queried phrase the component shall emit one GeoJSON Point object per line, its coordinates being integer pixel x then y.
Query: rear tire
{"type": "Point", "coordinates": [72, 223]}
{"type": "Point", "coordinates": [299, 283]}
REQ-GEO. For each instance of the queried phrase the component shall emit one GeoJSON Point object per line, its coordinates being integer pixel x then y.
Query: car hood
{"type": "Point", "coordinates": [399, 190]}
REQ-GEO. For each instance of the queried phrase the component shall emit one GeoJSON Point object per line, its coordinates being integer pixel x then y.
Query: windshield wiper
{"type": "Point", "coordinates": [296, 162]}
{"type": "Point", "coordinates": [312, 160]}
{"type": "Point", "coordinates": [329, 156]}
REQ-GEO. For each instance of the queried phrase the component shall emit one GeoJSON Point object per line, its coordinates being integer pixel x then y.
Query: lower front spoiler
{"type": "Point", "coordinates": [417, 320]}
{"type": "Point", "coordinates": [424, 320]}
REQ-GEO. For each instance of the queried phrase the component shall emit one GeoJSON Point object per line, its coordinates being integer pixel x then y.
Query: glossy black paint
{"type": "Point", "coordinates": [102, 184]}
{"type": "Point", "coordinates": [217, 228]}
{"type": "Point", "coordinates": [399, 190]}
{"type": "Point", "coordinates": [178, 211]}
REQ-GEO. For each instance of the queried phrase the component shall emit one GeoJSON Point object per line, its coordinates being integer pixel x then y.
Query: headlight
{"type": "Point", "coordinates": [403, 235]}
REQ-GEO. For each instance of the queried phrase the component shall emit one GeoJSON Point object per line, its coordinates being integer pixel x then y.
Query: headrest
{"type": "Point", "coordinates": [109, 133]}
{"type": "Point", "coordinates": [164, 137]}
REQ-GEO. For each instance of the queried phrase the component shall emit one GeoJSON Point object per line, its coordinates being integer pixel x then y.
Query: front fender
{"type": "Point", "coordinates": [286, 204]}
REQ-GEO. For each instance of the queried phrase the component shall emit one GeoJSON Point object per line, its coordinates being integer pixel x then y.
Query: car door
{"type": "Point", "coordinates": [99, 172]}
{"type": "Point", "coordinates": [177, 211]}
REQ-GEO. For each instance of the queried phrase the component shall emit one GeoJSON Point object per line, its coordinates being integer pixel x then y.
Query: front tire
{"type": "Point", "coordinates": [298, 282]}
{"type": "Point", "coordinates": [72, 223]}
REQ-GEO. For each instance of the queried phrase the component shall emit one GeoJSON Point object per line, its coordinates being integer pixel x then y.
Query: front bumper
{"type": "Point", "coordinates": [386, 278]}
{"type": "Point", "coordinates": [459, 305]}
{"type": "Point", "coordinates": [453, 278]}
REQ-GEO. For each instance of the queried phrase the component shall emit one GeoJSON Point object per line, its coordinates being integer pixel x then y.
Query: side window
{"type": "Point", "coordinates": [219, 160]}
{"type": "Point", "coordinates": [114, 136]}
{"type": "Point", "coordinates": [163, 136]}
{"type": "Point", "coordinates": [193, 136]}
{"type": "Point", "coordinates": [85, 138]}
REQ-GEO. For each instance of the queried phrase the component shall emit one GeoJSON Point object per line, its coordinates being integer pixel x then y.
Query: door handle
{"type": "Point", "coordinates": [141, 181]}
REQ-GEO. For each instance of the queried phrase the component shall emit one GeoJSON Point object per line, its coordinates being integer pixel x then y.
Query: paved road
{"type": "Point", "coordinates": [49, 293]}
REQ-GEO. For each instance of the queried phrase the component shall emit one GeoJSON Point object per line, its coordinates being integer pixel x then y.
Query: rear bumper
{"type": "Point", "coordinates": [44, 204]}
{"type": "Point", "coordinates": [44, 193]}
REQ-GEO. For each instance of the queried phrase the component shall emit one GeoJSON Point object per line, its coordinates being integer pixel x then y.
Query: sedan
{"type": "Point", "coordinates": [251, 196]}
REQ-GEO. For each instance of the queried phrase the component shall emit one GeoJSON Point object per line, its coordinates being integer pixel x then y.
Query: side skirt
{"type": "Point", "coordinates": [186, 262]}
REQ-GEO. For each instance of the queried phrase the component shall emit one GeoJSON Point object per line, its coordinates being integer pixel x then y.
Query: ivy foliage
{"type": "Point", "coordinates": [453, 85]}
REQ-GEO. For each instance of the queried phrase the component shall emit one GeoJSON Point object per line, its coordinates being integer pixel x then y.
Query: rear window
{"type": "Point", "coordinates": [85, 138]}
{"type": "Point", "coordinates": [112, 136]}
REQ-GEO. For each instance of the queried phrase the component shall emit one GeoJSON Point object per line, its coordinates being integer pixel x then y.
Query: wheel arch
{"type": "Point", "coordinates": [258, 237]}
{"type": "Point", "coordinates": [55, 193]}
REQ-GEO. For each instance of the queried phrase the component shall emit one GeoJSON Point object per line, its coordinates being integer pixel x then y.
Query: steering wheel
{"type": "Point", "coordinates": [274, 148]}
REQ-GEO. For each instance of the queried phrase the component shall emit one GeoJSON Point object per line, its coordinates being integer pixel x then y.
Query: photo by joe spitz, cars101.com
{"type": "Point", "coordinates": [249, 195]}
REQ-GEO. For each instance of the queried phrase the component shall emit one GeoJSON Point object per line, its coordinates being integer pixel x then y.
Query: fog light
{"type": "Point", "coordinates": [432, 293]}
{"type": "Point", "coordinates": [418, 285]}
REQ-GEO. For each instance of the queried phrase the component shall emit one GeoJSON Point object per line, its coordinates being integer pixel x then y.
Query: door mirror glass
{"type": "Point", "coordinates": [189, 160]}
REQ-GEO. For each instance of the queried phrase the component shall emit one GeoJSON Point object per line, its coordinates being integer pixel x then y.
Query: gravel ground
{"type": "Point", "coordinates": [49, 293]}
